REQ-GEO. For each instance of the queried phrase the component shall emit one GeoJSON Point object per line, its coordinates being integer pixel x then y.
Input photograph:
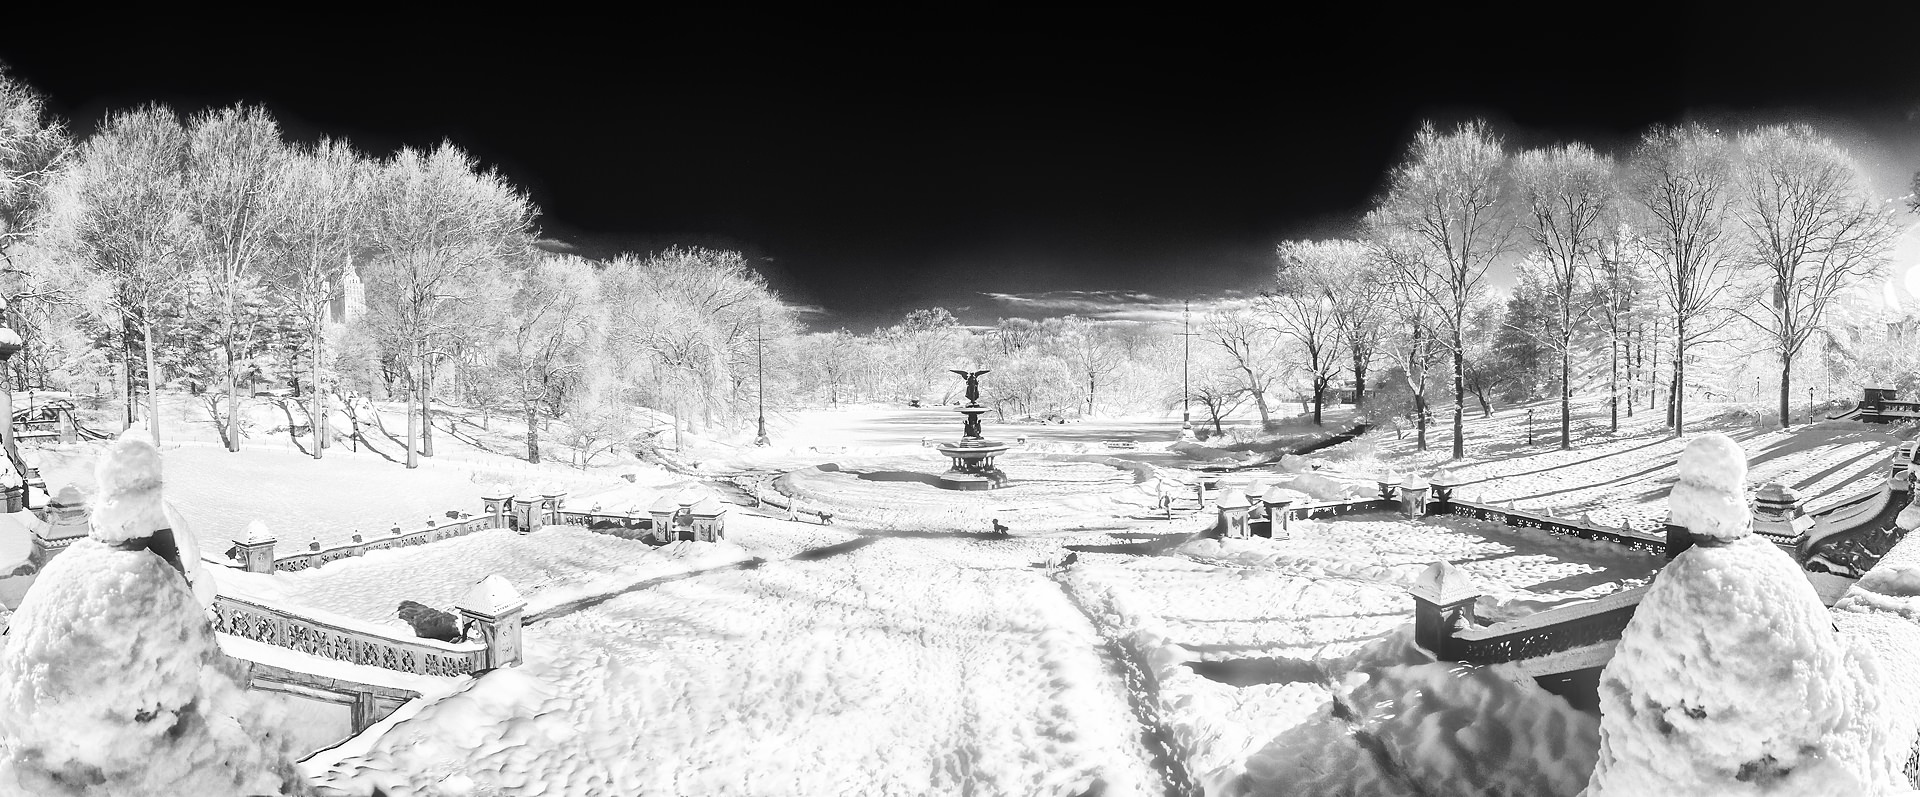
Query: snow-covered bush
{"type": "Point", "coordinates": [1731, 678]}
{"type": "Point", "coordinates": [111, 679]}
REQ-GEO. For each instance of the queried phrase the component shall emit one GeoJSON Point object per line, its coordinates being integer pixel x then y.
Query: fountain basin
{"type": "Point", "coordinates": [973, 467]}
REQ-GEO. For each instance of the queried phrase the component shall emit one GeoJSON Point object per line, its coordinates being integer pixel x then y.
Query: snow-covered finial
{"type": "Point", "coordinates": [129, 508]}
{"type": "Point", "coordinates": [257, 532]}
{"type": "Point", "coordinates": [1710, 499]}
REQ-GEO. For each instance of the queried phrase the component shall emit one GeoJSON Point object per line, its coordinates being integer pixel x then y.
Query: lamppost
{"type": "Point", "coordinates": [1186, 360]}
{"type": "Point", "coordinates": [1529, 427]}
{"type": "Point", "coordinates": [9, 345]}
{"type": "Point", "coordinates": [760, 352]}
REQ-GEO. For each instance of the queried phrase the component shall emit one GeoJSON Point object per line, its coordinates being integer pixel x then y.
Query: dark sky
{"type": "Point", "coordinates": [883, 163]}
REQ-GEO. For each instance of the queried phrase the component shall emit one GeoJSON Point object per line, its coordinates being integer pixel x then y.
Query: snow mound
{"type": "Point", "coordinates": [111, 682]}
{"type": "Point", "coordinates": [1397, 717]}
{"type": "Point", "coordinates": [1710, 498]}
{"type": "Point", "coordinates": [1731, 679]}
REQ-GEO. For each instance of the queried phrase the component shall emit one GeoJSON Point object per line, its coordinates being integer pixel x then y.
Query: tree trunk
{"type": "Point", "coordinates": [533, 436]}
{"type": "Point", "coordinates": [1632, 362]}
{"type": "Point", "coordinates": [1260, 403]}
{"type": "Point", "coordinates": [126, 377]}
{"type": "Point", "coordinates": [317, 414]}
{"type": "Point", "coordinates": [1786, 385]}
{"type": "Point", "coordinates": [426, 407]}
{"type": "Point", "coordinates": [153, 396]}
{"type": "Point", "coordinates": [1677, 395]}
{"type": "Point", "coordinates": [1359, 382]}
{"type": "Point", "coordinates": [413, 425]}
{"type": "Point", "coordinates": [1566, 391]}
{"type": "Point", "coordinates": [1319, 392]}
{"type": "Point", "coordinates": [1459, 397]}
{"type": "Point", "coordinates": [1613, 384]}
{"type": "Point", "coordinates": [1420, 420]}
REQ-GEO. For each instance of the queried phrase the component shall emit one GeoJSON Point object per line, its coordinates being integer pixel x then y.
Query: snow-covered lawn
{"type": "Point", "coordinates": [902, 667]}
{"type": "Point", "coordinates": [549, 567]}
{"type": "Point", "coordinates": [302, 499]}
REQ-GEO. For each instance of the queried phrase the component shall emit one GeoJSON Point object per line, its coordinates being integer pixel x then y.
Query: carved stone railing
{"type": "Point", "coordinates": [432, 533]}
{"type": "Point", "coordinates": [1547, 632]}
{"type": "Point", "coordinates": [341, 641]}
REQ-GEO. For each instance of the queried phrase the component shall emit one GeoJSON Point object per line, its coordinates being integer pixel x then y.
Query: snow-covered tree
{"type": "Point", "coordinates": [326, 191]}
{"type": "Point", "coordinates": [1814, 230]}
{"type": "Point", "coordinates": [1683, 178]}
{"type": "Point", "coordinates": [33, 147]}
{"type": "Point", "coordinates": [1251, 349]}
{"type": "Point", "coordinates": [236, 169]}
{"type": "Point", "coordinates": [1565, 191]}
{"type": "Point", "coordinates": [1444, 203]}
{"type": "Point", "coordinates": [122, 211]}
{"type": "Point", "coordinates": [1303, 305]}
{"type": "Point", "coordinates": [440, 228]}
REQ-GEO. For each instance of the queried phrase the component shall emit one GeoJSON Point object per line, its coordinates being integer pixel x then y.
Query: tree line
{"type": "Point", "coordinates": [1624, 265]}
{"type": "Point", "coordinates": [211, 255]}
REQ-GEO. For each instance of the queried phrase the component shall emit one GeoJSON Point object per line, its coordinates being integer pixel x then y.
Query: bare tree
{"type": "Point", "coordinates": [1682, 177]}
{"type": "Point", "coordinates": [236, 172]}
{"type": "Point", "coordinates": [440, 227]}
{"type": "Point", "coordinates": [123, 211]}
{"type": "Point", "coordinates": [1089, 350]}
{"type": "Point", "coordinates": [694, 316]}
{"type": "Point", "coordinates": [325, 222]}
{"type": "Point", "coordinates": [1565, 191]}
{"type": "Point", "coordinates": [33, 147]}
{"type": "Point", "coordinates": [1813, 230]}
{"type": "Point", "coordinates": [1302, 301]}
{"type": "Point", "coordinates": [1445, 203]}
{"type": "Point", "coordinates": [549, 329]}
{"type": "Point", "coordinates": [1249, 346]}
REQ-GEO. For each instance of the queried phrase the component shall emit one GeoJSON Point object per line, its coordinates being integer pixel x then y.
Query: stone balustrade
{"type": "Point", "coordinates": [344, 640]}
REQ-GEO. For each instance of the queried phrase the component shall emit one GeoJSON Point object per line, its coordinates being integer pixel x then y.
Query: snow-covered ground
{"type": "Point", "coordinates": [902, 666]}
{"type": "Point", "coordinates": [898, 492]}
{"type": "Point", "coordinates": [901, 651]}
{"type": "Point", "coordinates": [1622, 479]}
{"type": "Point", "coordinates": [302, 499]}
{"type": "Point", "coordinates": [1303, 621]}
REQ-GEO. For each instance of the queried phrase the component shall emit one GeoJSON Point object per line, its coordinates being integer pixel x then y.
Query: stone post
{"type": "Point", "coordinates": [256, 549]}
{"type": "Point", "coordinates": [1277, 501]}
{"type": "Point", "coordinates": [495, 505]}
{"type": "Point", "coordinates": [1234, 508]}
{"type": "Point", "coordinates": [69, 431]}
{"type": "Point", "coordinates": [66, 522]}
{"type": "Point", "coordinates": [1901, 479]}
{"type": "Point", "coordinates": [1389, 487]}
{"type": "Point", "coordinates": [1778, 516]}
{"type": "Point", "coordinates": [33, 488]}
{"type": "Point", "coordinates": [550, 500]}
{"type": "Point", "coordinates": [1442, 602]}
{"type": "Point", "coordinates": [492, 610]}
{"type": "Point", "coordinates": [1413, 497]}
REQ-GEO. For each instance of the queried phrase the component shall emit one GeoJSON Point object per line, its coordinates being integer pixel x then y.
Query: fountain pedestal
{"type": "Point", "coordinates": [973, 455]}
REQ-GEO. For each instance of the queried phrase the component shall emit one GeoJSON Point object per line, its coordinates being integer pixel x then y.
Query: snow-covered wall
{"type": "Point", "coordinates": [1882, 612]}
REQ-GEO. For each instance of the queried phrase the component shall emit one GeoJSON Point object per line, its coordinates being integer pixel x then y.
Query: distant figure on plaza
{"type": "Point", "coordinates": [1166, 503]}
{"type": "Point", "coordinates": [999, 528]}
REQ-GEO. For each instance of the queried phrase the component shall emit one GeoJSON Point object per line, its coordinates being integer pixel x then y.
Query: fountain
{"type": "Point", "coordinates": [973, 455]}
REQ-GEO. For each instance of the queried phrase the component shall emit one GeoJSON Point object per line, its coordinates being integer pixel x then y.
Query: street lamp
{"type": "Point", "coordinates": [1529, 427]}
{"type": "Point", "coordinates": [1186, 360]}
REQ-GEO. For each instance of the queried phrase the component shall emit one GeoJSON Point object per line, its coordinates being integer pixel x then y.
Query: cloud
{"type": "Point", "coordinates": [1114, 307]}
